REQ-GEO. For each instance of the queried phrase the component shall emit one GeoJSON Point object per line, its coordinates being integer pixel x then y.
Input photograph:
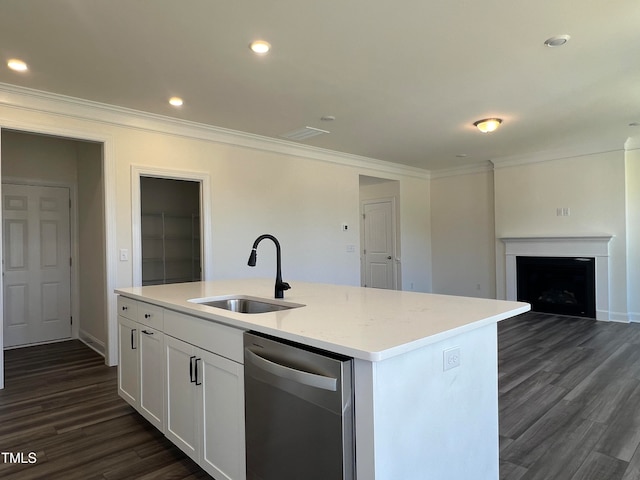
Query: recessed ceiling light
{"type": "Point", "coordinates": [488, 125]}
{"type": "Point", "coordinates": [176, 101]}
{"type": "Point", "coordinates": [17, 65]}
{"type": "Point", "coordinates": [327, 118]}
{"type": "Point", "coordinates": [557, 41]}
{"type": "Point", "coordinates": [260, 47]}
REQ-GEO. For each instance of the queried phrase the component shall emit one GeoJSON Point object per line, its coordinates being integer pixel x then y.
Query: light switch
{"type": "Point", "coordinates": [124, 255]}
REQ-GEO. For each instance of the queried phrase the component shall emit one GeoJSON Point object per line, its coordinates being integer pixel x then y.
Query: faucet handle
{"type": "Point", "coordinates": [285, 286]}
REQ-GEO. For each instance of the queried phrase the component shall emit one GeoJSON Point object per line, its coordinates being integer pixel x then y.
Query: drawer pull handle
{"type": "Point", "coordinates": [133, 334]}
{"type": "Point", "coordinates": [191, 369]}
{"type": "Point", "coordinates": [147, 315]}
{"type": "Point", "coordinates": [146, 332]}
{"type": "Point", "coordinates": [124, 308]}
{"type": "Point", "coordinates": [196, 362]}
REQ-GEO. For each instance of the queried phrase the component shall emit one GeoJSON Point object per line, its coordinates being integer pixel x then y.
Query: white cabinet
{"type": "Point", "coordinates": [205, 408]}
{"type": "Point", "coordinates": [182, 426]}
{"type": "Point", "coordinates": [184, 374]}
{"type": "Point", "coordinates": [128, 363]}
{"type": "Point", "coordinates": [151, 351]}
{"type": "Point", "coordinates": [140, 367]}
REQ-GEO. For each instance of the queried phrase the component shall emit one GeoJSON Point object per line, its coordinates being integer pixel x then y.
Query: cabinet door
{"type": "Point", "coordinates": [182, 418]}
{"type": "Point", "coordinates": [151, 348]}
{"type": "Point", "coordinates": [128, 367]}
{"type": "Point", "coordinates": [222, 407]}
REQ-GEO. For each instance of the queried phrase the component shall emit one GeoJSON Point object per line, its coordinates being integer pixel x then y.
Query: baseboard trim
{"type": "Point", "coordinates": [92, 342]}
{"type": "Point", "coordinates": [619, 317]}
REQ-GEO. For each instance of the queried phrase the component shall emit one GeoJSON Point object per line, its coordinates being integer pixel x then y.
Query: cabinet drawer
{"type": "Point", "coordinates": [150, 315]}
{"type": "Point", "coordinates": [206, 334]}
{"type": "Point", "coordinates": [127, 307]}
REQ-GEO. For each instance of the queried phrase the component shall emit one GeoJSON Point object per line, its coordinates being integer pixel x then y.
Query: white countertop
{"type": "Point", "coordinates": [366, 323]}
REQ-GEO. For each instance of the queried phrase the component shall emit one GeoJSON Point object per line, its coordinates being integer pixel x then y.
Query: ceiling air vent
{"type": "Point", "coordinates": [303, 133]}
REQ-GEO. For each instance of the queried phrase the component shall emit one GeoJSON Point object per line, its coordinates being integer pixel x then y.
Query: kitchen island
{"type": "Point", "coordinates": [425, 366]}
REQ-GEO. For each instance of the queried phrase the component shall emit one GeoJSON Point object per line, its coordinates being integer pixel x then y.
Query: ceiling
{"type": "Point", "coordinates": [405, 80]}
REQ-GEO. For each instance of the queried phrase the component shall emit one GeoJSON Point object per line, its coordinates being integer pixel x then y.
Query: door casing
{"type": "Point", "coordinates": [138, 171]}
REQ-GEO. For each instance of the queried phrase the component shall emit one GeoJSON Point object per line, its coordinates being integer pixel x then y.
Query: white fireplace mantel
{"type": "Point", "coordinates": [593, 246]}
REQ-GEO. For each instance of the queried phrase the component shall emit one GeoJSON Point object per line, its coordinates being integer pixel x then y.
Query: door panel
{"type": "Point", "coordinates": [37, 273]}
{"type": "Point", "coordinates": [152, 376]}
{"type": "Point", "coordinates": [222, 393]}
{"type": "Point", "coordinates": [182, 427]}
{"type": "Point", "coordinates": [379, 245]}
{"type": "Point", "coordinates": [128, 368]}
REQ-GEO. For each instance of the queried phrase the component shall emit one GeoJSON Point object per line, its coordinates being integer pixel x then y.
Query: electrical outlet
{"type": "Point", "coordinates": [451, 358]}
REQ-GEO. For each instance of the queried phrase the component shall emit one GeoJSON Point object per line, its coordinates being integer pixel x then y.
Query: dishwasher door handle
{"type": "Point", "coordinates": [305, 378]}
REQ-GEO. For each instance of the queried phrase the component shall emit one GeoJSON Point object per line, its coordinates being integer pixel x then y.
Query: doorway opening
{"type": "Point", "coordinates": [184, 197]}
{"type": "Point", "coordinates": [54, 282]}
{"type": "Point", "coordinates": [379, 233]}
{"type": "Point", "coordinates": [170, 230]}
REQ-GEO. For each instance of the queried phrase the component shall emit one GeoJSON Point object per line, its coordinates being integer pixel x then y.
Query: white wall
{"type": "Point", "coordinates": [632, 158]}
{"type": "Point", "coordinates": [38, 157]}
{"type": "Point", "coordinates": [91, 247]}
{"type": "Point", "coordinates": [299, 194]}
{"type": "Point", "coordinates": [415, 223]}
{"type": "Point", "coordinates": [591, 186]}
{"type": "Point", "coordinates": [463, 237]}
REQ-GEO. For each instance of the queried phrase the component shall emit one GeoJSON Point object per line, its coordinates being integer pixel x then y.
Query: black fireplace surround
{"type": "Point", "coordinates": [560, 285]}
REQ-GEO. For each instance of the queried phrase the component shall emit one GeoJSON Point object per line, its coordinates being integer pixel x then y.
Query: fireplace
{"type": "Point", "coordinates": [560, 285]}
{"type": "Point", "coordinates": [595, 247]}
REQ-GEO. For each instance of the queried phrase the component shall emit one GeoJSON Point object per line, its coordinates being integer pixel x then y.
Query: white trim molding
{"type": "Point", "coordinates": [37, 100]}
{"type": "Point", "coordinates": [596, 246]}
{"type": "Point", "coordinates": [551, 155]}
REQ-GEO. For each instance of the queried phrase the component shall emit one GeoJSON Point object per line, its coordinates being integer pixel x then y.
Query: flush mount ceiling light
{"type": "Point", "coordinates": [17, 65]}
{"type": "Point", "coordinates": [260, 47]}
{"type": "Point", "coordinates": [488, 125]}
{"type": "Point", "coordinates": [176, 101]}
{"type": "Point", "coordinates": [557, 41]}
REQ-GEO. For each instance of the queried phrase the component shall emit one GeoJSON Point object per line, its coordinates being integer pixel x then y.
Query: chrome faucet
{"type": "Point", "coordinates": [280, 285]}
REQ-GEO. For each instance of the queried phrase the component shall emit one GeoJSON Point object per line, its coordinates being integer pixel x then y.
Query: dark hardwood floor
{"type": "Point", "coordinates": [569, 409]}
{"type": "Point", "coordinates": [569, 399]}
{"type": "Point", "coordinates": [60, 401]}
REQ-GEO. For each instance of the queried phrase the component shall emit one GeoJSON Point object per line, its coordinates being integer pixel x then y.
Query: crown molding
{"type": "Point", "coordinates": [551, 155]}
{"type": "Point", "coordinates": [72, 107]}
{"type": "Point", "coordinates": [481, 167]}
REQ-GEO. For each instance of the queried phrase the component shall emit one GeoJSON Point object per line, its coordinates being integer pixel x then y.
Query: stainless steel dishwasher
{"type": "Point", "coordinates": [298, 412]}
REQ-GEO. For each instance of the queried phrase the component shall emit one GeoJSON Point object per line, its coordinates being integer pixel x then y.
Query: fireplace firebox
{"type": "Point", "coordinates": [560, 285]}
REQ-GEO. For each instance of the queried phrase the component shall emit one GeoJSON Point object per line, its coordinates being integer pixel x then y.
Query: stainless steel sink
{"type": "Point", "coordinates": [246, 304]}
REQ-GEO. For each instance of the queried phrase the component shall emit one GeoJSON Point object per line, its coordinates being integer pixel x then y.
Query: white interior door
{"type": "Point", "coordinates": [36, 266]}
{"type": "Point", "coordinates": [379, 248]}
